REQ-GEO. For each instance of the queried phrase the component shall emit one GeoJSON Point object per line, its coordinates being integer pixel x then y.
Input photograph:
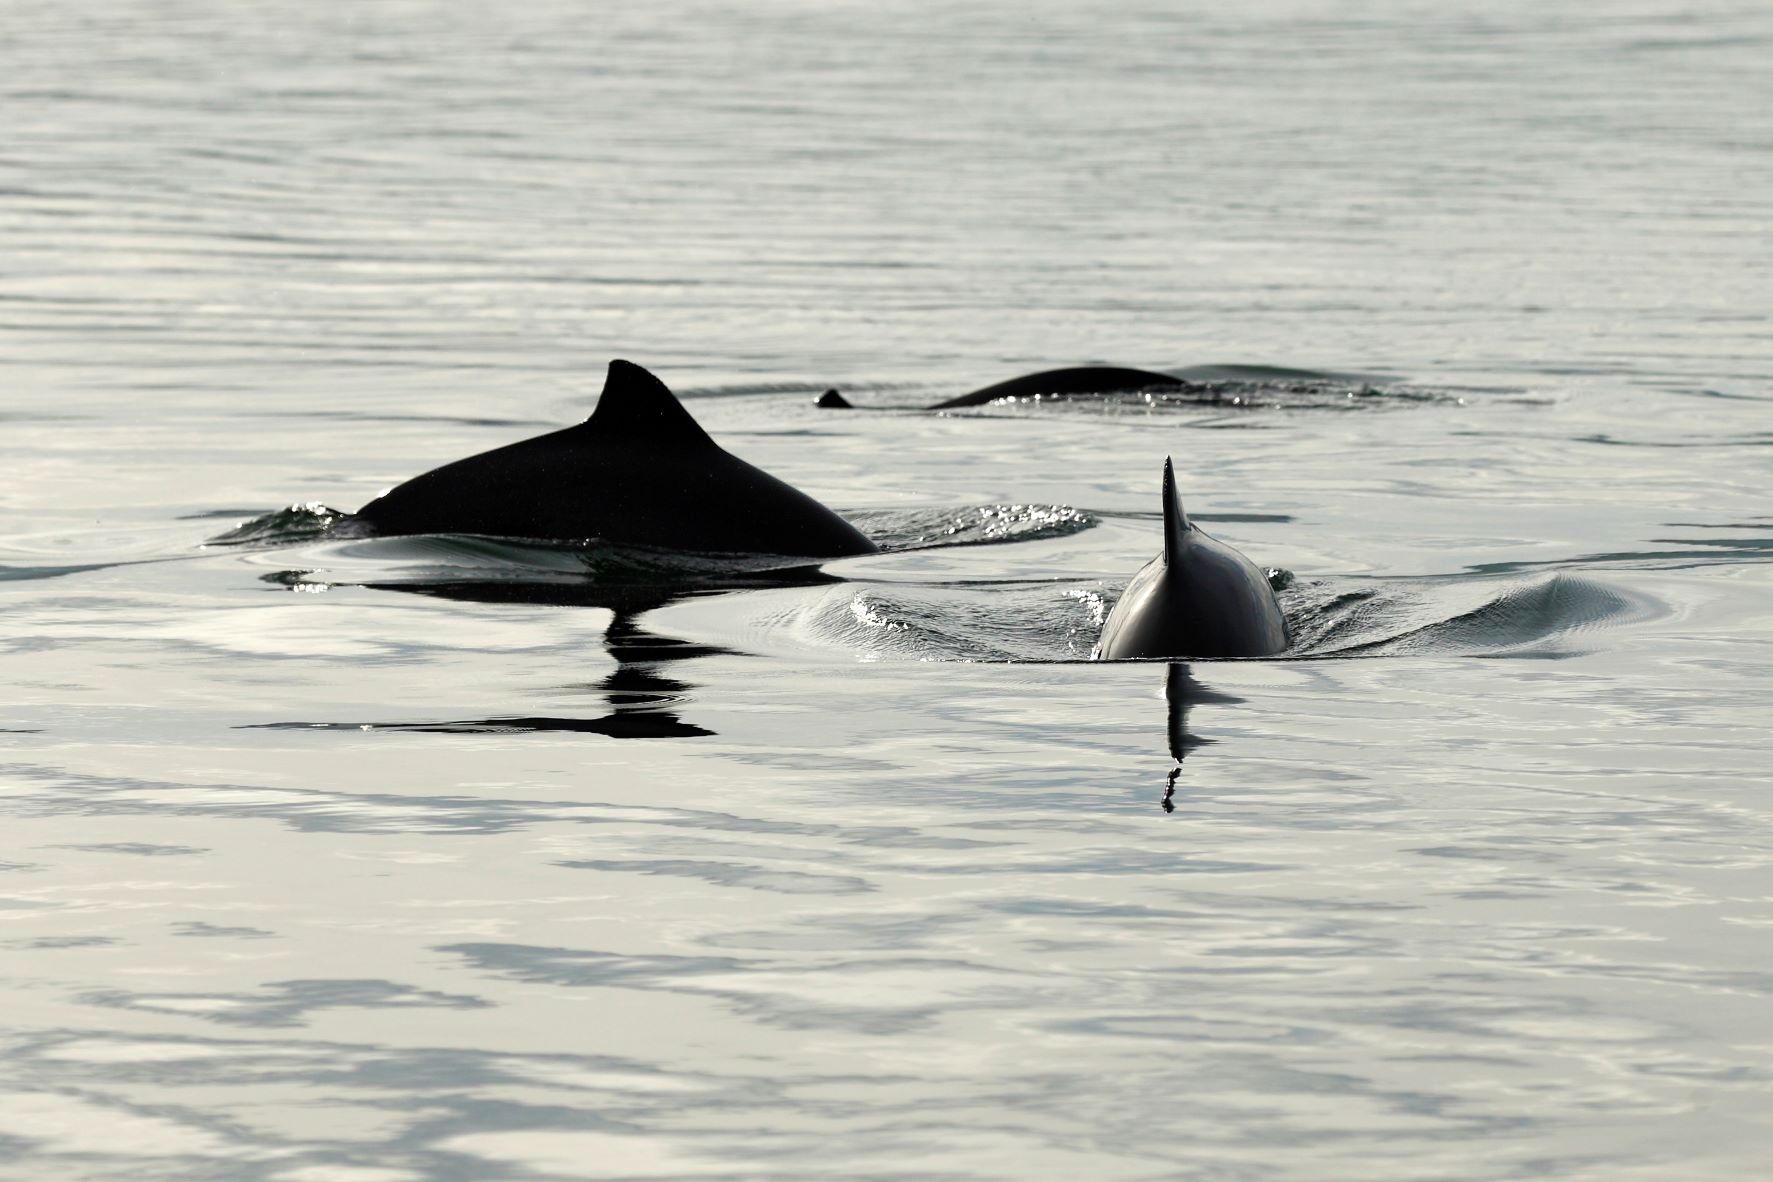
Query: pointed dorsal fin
{"type": "Point", "coordinates": [1176, 523]}
{"type": "Point", "coordinates": [635, 403]}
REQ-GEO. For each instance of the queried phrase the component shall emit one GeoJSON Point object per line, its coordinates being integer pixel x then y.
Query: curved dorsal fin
{"type": "Point", "coordinates": [636, 403]}
{"type": "Point", "coordinates": [1176, 523]}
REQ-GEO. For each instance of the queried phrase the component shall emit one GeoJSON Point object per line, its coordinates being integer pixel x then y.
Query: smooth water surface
{"type": "Point", "coordinates": [334, 859]}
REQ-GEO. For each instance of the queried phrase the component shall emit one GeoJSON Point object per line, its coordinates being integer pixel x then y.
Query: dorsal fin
{"type": "Point", "coordinates": [636, 403]}
{"type": "Point", "coordinates": [1176, 523]}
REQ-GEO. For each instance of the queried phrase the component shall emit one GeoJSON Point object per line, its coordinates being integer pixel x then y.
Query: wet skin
{"type": "Point", "coordinates": [1199, 598]}
{"type": "Point", "coordinates": [640, 471]}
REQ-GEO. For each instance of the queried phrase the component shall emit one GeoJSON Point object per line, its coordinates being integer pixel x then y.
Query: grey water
{"type": "Point", "coordinates": [331, 859]}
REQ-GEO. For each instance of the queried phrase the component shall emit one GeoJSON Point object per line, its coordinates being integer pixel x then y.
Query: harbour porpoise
{"type": "Point", "coordinates": [1083, 379]}
{"type": "Point", "coordinates": [1199, 598]}
{"type": "Point", "coordinates": [640, 471]}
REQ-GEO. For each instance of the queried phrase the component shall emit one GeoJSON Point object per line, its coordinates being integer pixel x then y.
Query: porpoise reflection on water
{"type": "Point", "coordinates": [639, 471]}
{"type": "Point", "coordinates": [642, 700]}
{"type": "Point", "coordinates": [1182, 692]}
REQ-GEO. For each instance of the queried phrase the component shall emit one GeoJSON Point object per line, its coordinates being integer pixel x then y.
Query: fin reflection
{"type": "Point", "coordinates": [1181, 693]}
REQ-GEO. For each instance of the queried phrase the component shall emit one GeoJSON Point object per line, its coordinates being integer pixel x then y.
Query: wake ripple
{"type": "Point", "coordinates": [890, 529]}
{"type": "Point", "coordinates": [1301, 393]}
{"type": "Point", "coordinates": [1046, 622]}
{"type": "Point", "coordinates": [1474, 615]}
{"type": "Point", "coordinates": [1531, 619]}
{"type": "Point", "coordinates": [307, 522]}
{"type": "Point", "coordinates": [1002, 623]}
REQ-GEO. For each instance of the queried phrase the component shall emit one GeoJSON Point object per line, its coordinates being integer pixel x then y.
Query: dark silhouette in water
{"type": "Point", "coordinates": [640, 471]}
{"type": "Point", "coordinates": [1088, 379]}
{"type": "Point", "coordinates": [1199, 598]}
{"type": "Point", "coordinates": [1082, 380]}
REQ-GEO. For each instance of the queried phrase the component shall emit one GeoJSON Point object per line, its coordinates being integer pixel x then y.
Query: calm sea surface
{"type": "Point", "coordinates": [439, 859]}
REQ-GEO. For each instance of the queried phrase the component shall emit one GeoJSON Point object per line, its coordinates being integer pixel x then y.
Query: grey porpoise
{"type": "Point", "coordinates": [1199, 598]}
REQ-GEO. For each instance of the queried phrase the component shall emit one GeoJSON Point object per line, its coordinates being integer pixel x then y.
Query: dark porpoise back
{"type": "Point", "coordinates": [1203, 380]}
{"type": "Point", "coordinates": [639, 471]}
{"type": "Point", "coordinates": [1199, 598]}
{"type": "Point", "coordinates": [1085, 379]}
